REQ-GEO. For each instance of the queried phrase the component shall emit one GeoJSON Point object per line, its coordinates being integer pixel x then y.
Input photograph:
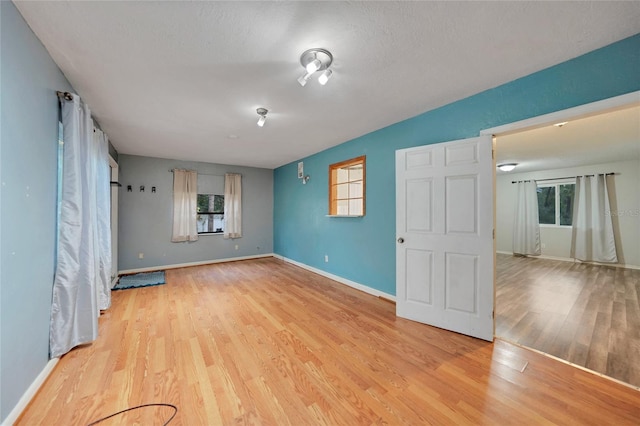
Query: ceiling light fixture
{"type": "Point", "coordinates": [262, 112]}
{"type": "Point", "coordinates": [314, 60]}
{"type": "Point", "coordinates": [507, 167]}
{"type": "Point", "coordinates": [561, 124]}
{"type": "Point", "coordinates": [324, 77]}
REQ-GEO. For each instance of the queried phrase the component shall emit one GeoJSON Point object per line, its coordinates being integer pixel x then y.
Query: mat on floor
{"type": "Point", "coordinates": [144, 279]}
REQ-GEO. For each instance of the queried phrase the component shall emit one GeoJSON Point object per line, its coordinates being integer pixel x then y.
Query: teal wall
{"type": "Point", "coordinates": [28, 154]}
{"type": "Point", "coordinates": [363, 249]}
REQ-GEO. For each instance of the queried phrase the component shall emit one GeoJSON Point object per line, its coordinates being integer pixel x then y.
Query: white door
{"type": "Point", "coordinates": [444, 227]}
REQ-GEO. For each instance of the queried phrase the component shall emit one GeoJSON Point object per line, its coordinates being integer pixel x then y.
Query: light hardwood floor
{"type": "Point", "coordinates": [588, 315]}
{"type": "Point", "coordinates": [265, 342]}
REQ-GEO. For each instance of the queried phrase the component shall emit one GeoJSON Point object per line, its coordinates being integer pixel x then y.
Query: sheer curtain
{"type": "Point", "coordinates": [81, 285]}
{"type": "Point", "coordinates": [232, 205]}
{"type": "Point", "coordinates": [185, 194]}
{"type": "Point", "coordinates": [593, 238]}
{"type": "Point", "coordinates": [526, 228]}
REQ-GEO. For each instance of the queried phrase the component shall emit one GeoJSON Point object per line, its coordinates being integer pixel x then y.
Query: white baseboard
{"type": "Point", "coordinates": [186, 265]}
{"type": "Point", "coordinates": [353, 284]}
{"type": "Point", "coordinates": [30, 393]}
{"type": "Point", "coordinates": [568, 259]}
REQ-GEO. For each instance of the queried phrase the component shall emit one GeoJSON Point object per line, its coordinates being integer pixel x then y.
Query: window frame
{"type": "Point", "coordinates": [333, 168]}
{"type": "Point", "coordinates": [211, 213]}
{"type": "Point", "coordinates": [556, 197]}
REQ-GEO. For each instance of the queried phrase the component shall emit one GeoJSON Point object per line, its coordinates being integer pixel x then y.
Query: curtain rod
{"type": "Point", "coordinates": [206, 174]}
{"type": "Point", "coordinates": [65, 95]}
{"type": "Point", "coordinates": [560, 178]}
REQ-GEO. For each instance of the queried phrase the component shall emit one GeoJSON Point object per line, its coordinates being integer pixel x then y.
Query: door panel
{"type": "Point", "coordinates": [445, 253]}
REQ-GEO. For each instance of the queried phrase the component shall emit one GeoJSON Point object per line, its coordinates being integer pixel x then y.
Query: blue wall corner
{"type": "Point", "coordinates": [363, 249]}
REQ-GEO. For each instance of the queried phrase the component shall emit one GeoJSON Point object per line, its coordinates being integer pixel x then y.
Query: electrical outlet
{"type": "Point", "coordinates": [543, 245]}
{"type": "Point", "coordinates": [326, 258]}
{"type": "Point", "coordinates": [141, 255]}
{"type": "Point", "coordinates": [236, 247]}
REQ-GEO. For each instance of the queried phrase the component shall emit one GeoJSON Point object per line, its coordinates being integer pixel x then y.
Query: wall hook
{"type": "Point", "coordinates": [141, 188]}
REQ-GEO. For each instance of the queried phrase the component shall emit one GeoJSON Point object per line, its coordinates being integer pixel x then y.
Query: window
{"type": "Point", "coordinates": [347, 187]}
{"type": "Point", "coordinates": [210, 214]}
{"type": "Point", "coordinates": [555, 204]}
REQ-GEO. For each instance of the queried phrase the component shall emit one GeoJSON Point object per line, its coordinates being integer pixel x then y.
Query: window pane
{"type": "Point", "coordinates": [210, 223]}
{"type": "Point", "coordinates": [218, 222]}
{"type": "Point", "coordinates": [547, 205]}
{"type": "Point", "coordinates": [355, 173]}
{"type": "Point", "coordinates": [355, 190]}
{"type": "Point", "coordinates": [202, 223]}
{"type": "Point", "coordinates": [343, 175]}
{"type": "Point", "coordinates": [218, 203]}
{"type": "Point", "coordinates": [343, 207]}
{"type": "Point", "coordinates": [203, 202]}
{"type": "Point", "coordinates": [355, 207]}
{"type": "Point", "coordinates": [566, 204]}
{"type": "Point", "coordinates": [343, 191]}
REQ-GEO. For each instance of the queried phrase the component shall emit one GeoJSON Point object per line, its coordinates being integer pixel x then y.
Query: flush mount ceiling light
{"type": "Point", "coordinates": [316, 60]}
{"type": "Point", "coordinates": [561, 124]}
{"type": "Point", "coordinates": [262, 112]}
{"type": "Point", "coordinates": [507, 167]}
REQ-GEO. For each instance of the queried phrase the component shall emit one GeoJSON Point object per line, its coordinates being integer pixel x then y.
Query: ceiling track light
{"type": "Point", "coordinates": [316, 60]}
{"type": "Point", "coordinates": [262, 112]}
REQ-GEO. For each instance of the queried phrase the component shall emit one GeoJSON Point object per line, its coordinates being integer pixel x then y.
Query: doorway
{"type": "Point", "coordinates": [581, 313]}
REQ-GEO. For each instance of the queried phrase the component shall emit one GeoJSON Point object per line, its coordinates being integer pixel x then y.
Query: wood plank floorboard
{"type": "Point", "coordinates": [265, 342]}
{"type": "Point", "coordinates": [585, 314]}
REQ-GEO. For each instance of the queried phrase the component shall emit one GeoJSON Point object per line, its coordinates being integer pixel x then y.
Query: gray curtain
{"type": "Point", "coordinates": [526, 227]}
{"type": "Point", "coordinates": [593, 238]}
{"type": "Point", "coordinates": [81, 285]}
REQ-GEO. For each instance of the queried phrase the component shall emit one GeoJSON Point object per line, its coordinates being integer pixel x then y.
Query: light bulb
{"type": "Point", "coordinates": [313, 66]}
{"type": "Point", "coordinates": [304, 78]}
{"type": "Point", "coordinates": [325, 76]}
{"type": "Point", "coordinates": [261, 120]}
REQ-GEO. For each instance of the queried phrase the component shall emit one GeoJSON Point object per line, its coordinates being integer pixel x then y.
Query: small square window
{"type": "Point", "coordinates": [347, 187]}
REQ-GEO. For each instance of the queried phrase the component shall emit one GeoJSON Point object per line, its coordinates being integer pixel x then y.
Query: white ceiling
{"type": "Point", "coordinates": [603, 138]}
{"type": "Point", "coordinates": [182, 80]}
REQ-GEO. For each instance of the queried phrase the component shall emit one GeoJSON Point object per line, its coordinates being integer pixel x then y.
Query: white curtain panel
{"type": "Point", "coordinates": [83, 245]}
{"type": "Point", "coordinates": [185, 197]}
{"type": "Point", "coordinates": [593, 239]}
{"type": "Point", "coordinates": [232, 205]}
{"type": "Point", "coordinates": [103, 228]}
{"type": "Point", "coordinates": [526, 228]}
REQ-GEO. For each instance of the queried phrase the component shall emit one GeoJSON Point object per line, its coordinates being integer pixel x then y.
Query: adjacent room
{"type": "Point", "coordinates": [289, 212]}
{"type": "Point", "coordinates": [573, 299]}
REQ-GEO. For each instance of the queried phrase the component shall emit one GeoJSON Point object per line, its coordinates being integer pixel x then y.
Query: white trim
{"type": "Point", "coordinates": [353, 284]}
{"type": "Point", "coordinates": [113, 164]}
{"type": "Point", "coordinates": [31, 391]}
{"type": "Point", "coordinates": [568, 259]}
{"type": "Point", "coordinates": [580, 111]}
{"type": "Point", "coordinates": [186, 265]}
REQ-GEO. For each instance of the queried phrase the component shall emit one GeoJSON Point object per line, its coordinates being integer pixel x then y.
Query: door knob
{"type": "Point", "coordinates": [401, 240]}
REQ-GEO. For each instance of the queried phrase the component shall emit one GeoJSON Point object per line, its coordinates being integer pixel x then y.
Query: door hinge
{"type": "Point", "coordinates": [493, 154]}
{"type": "Point", "coordinates": [494, 233]}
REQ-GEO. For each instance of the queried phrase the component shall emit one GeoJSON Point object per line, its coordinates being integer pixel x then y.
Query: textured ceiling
{"type": "Point", "coordinates": [603, 138]}
{"type": "Point", "coordinates": [182, 80]}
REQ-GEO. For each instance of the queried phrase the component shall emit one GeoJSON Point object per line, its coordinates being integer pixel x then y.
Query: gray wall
{"type": "Point", "coordinates": [145, 218]}
{"type": "Point", "coordinates": [625, 201]}
{"type": "Point", "coordinates": [28, 167]}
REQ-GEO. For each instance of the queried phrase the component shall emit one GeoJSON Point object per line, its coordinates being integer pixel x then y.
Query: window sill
{"type": "Point", "coordinates": [548, 225]}
{"type": "Point", "coordinates": [345, 215]}
{"type": "Point", "coordinates": [211, 233]}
